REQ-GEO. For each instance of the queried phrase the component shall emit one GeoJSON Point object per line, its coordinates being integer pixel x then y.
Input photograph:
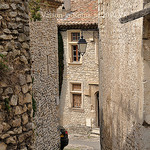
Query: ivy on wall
{"type": "Point", "coordinates": [60, 60]}
{"type": "Point", "coordinates": [34, 6]}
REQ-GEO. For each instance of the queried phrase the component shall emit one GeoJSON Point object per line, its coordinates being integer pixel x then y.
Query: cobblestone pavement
{"type": "Point", "coordinates": [79, 142]}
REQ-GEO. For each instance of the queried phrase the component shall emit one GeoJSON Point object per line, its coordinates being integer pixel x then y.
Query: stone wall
{"type": "Point", "coordinates": [121, 76]}
{"type": "Point", "coordinates": [87, 74]}
{"type": "Point", "coordinates": [146, 81]}
{"type": "Point", "coordinates": [45, 73]}
{"type": "Point", "coordinates": [16, 83]}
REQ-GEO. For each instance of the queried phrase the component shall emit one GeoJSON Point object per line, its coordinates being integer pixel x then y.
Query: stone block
{"type": "Point", "coordinates": [24, 119]}
{"type": "Point", "coordinates": [30, 126]}
{"type": "Point", "coordinates": [4, 136]}
{"type": "Point", "coordinates": [4, 6]}
{"type": "Point", "coordinates": [1, 48]}
{"type": "Point", "coordinates": [2, 116]}
{"type": "Point", "coordinates": [18, 44]}
{"type": "Point", "coordinates": [21, 99]}
{"type": "Point", "coordinates": [3, 84]}
{"type": "Point", "coordinates": [25, 108]}
{"type": "Point", "coordinates": [25, 46]}
{"type": "Point", "coordinates": [6, 126]}
{"type": "Point", "coordinates": [13, 6]}
{"type": "Point", "coordinates": [16, 122]}
{"type": "Point", "coordinates": [8, 91]}
{"type": "Point", "coordinates": [11, 140]}
{"type": "Point", "coordinates": [1, 17]}
{"type": "Point", "coordinates": [24, 60]}
{"type": "Point", "coordinates": [7, 31]}
{"type": "Point", "coordinates": [29, 79]}
{"type": "Point", "coordinates": [28, 98]}
{"type": "Point", "coordinates": [1, 90]}
{"type": "Point", "coordinates": [9, 46]}
{"type": "Point", "coordinates": [14, 100]}
{"type": "Point", "coordinates": [10, 132]}
{"type": "Point", "coordinates": [18, 110]}
{"type": "Point", "coordinates": [18, 130]}
{"type": "Point", "coordinates": [17, 89]}
{"type": "Point", "coordinates": [25, 148]}
{"type": "Point", "coordinates": [29, 107]}
{"type": "Point", "coordinates": [22, 37]}
{"type": "Point", "coordinates": [13, 14]}
{"type": "Point", "coordinates": [12, 26]}
{"type": "Point", "coordinates": [3, 146]}
{"type": "Point", "coordinates": [22, 79]}
{"type": "Point", "coordinates": [25, 89]}
{"type": "Point", "coordinates": [6, 37]}
{"type": "Point", "coordinates": [1, 128]}
{"type": "Point", "coordinates": [22, 137]}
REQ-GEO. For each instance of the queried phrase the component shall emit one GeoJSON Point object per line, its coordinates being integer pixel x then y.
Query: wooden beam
{"type": "Point", "coordinates": [135, 15]}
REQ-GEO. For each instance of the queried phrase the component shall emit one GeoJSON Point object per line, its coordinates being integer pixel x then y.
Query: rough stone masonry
{"type": "Point", "coordinates": [16, 83]}
{"type": "Point", "coordinates": [124, 77]}
{"type": "Point", "coordinates": [45, 73]}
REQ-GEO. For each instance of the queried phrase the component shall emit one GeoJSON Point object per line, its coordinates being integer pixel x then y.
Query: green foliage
{"type": "Point", "coordinates": [34, 6]}
{"type": "Point", "coordinates": [7, 105]}
{"type": "Point", "coordinates": [3, 66]}
{"type": "Point", "coordinates": [34, 105]}
{"type": "Point", "coordinates": [61, 60]}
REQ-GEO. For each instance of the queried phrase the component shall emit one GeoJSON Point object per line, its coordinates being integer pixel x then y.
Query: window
{"type": "Point", "coordinates": [74, 55]}
{"type": "Point", "coordinates": [75, 37]}
{"type": "Point", "coordinates": [76, 95]}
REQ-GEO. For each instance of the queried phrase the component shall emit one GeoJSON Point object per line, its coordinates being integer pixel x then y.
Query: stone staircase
{"type": "Point", "coordinates": [95, 132]}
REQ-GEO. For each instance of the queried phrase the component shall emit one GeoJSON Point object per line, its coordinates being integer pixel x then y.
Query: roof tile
{"type": "Point", "coordinates": [82, 12]}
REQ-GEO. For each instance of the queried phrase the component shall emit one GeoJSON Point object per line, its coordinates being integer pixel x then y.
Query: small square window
{"type": "Point", "coordinates": [75, 36]}
{"type": "Point", "coordinates": [76, 87]}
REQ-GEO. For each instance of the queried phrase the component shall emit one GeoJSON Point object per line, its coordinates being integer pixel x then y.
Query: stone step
{"type": "Point", "coordinates": [95, 131]}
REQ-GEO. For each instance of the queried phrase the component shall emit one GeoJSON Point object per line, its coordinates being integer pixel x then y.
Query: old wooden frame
{"type": "Point", "coordinates": [135, 15]}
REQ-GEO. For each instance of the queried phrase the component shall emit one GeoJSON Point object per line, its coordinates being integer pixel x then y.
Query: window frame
{"type": "Point", "coordinates": [71, 91]}
{"type": "Point", "coordinates": [70, 43]}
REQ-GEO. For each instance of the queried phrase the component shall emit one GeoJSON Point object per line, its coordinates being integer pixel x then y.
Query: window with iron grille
{"type": "Point", "coordinates": [75, 36]}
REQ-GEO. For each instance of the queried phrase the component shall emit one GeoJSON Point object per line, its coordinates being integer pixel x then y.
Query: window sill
{"type": "Point", "coordinates": [77, 109]}
{"type": "Point", "coordinates": [75, 63]}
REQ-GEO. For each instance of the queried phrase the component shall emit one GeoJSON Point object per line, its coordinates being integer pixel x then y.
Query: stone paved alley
{"type": "Point", "coordinates": [79, 142]}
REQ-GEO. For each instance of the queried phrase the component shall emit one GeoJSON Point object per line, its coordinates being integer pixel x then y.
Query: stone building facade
{"type": "Point", "coordinates": [79, 94]}
{"type": "Point", "coordinates": [124, 76]}
{"type": "Point", "coordinates": [16, 128]}
{"type": "Point", "coordinates": [45, 73]}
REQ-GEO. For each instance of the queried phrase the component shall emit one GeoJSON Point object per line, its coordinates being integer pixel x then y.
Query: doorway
{"type": "Point", "coordinates": [97, 108]}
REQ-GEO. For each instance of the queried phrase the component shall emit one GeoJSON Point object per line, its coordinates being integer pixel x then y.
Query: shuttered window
{"type": "Point", "coordinates": [76, 93]}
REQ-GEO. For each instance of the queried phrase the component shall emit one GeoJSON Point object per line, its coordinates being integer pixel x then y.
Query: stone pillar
{"type": "Point", "coordinates": [45, 73]}
{"type": "Point", "coordinates": [15, 83]}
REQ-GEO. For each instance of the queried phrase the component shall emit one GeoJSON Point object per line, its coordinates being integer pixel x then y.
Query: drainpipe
{"type": "Point", "coordinates": [100, 79]}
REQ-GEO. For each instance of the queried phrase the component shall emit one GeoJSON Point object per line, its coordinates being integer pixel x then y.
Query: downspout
{"type": "Point", "coordinates": [100, 79]}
